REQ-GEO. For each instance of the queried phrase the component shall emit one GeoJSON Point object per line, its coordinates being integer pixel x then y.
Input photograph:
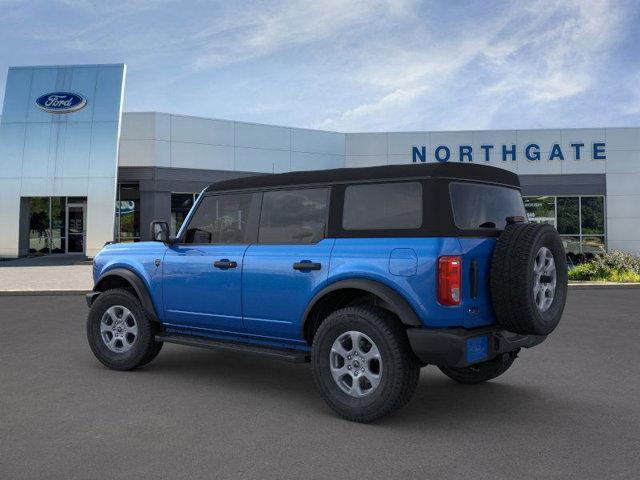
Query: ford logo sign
{"type": "Point", "coordinates": [61, 102]}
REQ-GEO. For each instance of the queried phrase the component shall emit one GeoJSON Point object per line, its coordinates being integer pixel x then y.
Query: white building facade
{"type": "Point", "coordinates": [120, 171]}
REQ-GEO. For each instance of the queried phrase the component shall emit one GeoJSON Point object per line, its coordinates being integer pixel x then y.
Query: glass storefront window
{"type": "Point", "coordinates": [592, 215]}
{"type": "Point", "coordinates": [580, 220]}
{"type": "Point", "coordinates": [568, 216]}
{"type": "Point", "coordinates": [48, 226]}
{"type": "Point", "coordinates": [571, 244]}
{"type": "Point", "coordinates": [58, 225]}
{"type": "Point", "coordinates": [541, 209]}
{"type": "Point", "coordinates": [127, 225]}
{"type": "Point", "coordinates": [181, 203]}
{"type": "Point", "coordinates": [39, 227]}
{"type": "Point", "coordinates": [593, 244]}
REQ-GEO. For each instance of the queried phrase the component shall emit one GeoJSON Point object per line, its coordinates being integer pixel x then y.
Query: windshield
{"type": "Point", "coordinates": [477, 206]}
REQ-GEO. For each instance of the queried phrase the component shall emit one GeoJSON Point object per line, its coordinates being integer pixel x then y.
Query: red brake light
{"type": "Point", "coordinates": [449, 279]}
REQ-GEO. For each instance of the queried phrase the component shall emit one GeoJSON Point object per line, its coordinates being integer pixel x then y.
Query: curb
{"type": "Point", "coordinates": [602, 285]}
{"type": "Point", "coordinates": [41, 293]}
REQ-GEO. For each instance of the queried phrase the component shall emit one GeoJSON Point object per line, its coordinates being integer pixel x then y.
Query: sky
{"type": "Point", "coordinates": [351, 66]}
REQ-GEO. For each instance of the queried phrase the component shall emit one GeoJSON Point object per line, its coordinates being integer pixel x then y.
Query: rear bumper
{"type": "Point", "coordinates": [459, 347]}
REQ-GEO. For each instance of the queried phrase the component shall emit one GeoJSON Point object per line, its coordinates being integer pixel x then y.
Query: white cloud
{"type": "Point", "coordinates": [534, 55]}
{"type": "Point", "coordinates": [397, 98]}
{"type": "Point", "coordinates": [286, 24]}
{"type": "Point", "coordinates": [346, 64]}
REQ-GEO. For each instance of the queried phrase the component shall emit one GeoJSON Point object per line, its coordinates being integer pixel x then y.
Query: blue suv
{"type": "Point", "coordinates": [367, 273]}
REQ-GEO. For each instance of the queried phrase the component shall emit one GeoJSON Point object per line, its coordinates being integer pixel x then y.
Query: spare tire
{"type": "Point", "coordinates": [528, 279]}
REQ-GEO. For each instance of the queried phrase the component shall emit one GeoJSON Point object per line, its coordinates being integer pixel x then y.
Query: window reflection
{"type": "Point", "coordinates": [127, 224]}
{"type": "Point", "coordinates": [580, 220]}
{"type": "Point", "coordinates": [592, 214]}
{"type": "Point", "coordinates": [568, 216]}
{"type": "Point", "coordinates": [220, 219]}
{"type": "Point", "coordinates": [181, 204]}
{"type": "Point", "coordinates": [49, 226]}
{"type": "Point", "coordinates": [293, 216]}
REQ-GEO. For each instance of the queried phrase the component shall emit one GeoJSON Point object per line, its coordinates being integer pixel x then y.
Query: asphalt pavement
{"type": "Point", "coordinates": [569, 408]}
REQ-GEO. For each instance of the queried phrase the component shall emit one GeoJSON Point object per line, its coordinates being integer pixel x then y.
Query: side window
{"type": "Point", "coordinates": [382, 206]}
{"type": "Point", "coordinates": [220, 219]}
{"type": "Point", "coordinates": [293, 216]}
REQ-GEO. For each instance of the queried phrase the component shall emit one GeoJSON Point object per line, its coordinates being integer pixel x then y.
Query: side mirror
{"type": "Point", "coordinates": [159, 231]}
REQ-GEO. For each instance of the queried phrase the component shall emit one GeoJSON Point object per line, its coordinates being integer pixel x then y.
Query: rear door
{"type": "Point", "coordinates": [288, 263]}
{"type": "Point", "coordinates": [202, 273]}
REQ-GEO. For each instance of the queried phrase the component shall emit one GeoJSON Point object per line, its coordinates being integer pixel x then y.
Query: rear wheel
{"type": "Point", "coordinates": [480, 372]}
{"type": "Point", "coordinates": [363, 364]}
{"type": "Point", "coordinates": [119, 333]}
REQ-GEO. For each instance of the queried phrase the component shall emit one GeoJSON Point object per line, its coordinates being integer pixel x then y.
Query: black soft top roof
{"type": "Point", "coordinates": [461, 171]}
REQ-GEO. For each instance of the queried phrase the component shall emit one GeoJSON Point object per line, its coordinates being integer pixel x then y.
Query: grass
{"type": "Point", "coordinates": [586, 271]}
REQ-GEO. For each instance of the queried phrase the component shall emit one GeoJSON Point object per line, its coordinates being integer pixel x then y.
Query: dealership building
{"type": "Point", "coordinates": [76, 171]}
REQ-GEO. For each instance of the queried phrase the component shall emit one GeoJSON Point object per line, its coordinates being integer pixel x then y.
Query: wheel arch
{"type": "Point", "coordinates": [387, 296]}
{"type": "Point", "coordinates": [123, 277]}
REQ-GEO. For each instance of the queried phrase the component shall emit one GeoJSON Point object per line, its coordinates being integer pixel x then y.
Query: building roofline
{"type": "Point", "coordinates": [377, 132]}
{"type": "Point", "coordinates": [93, 65]}
{"type": "Point", "coordinates": [229, 120]}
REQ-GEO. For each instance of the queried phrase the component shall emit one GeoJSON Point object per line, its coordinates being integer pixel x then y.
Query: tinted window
{"type": "Point", "coordinates": [220, 219]}
{"type": "Point", "coordinates": [478, 206]}
{"type": "Point", "coordinates": [293, 216]}
{"type": "Point", "coordinates": [382, 206]}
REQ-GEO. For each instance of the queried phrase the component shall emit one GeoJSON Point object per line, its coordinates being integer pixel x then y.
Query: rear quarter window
{"type": "Point", "coordinates": [477, 206]}
{"type": "Point", "coordinates": [383, 206]}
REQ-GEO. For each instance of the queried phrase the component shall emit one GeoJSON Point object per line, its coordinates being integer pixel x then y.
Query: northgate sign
{"type": "Point", "coordinates": [531, 152]}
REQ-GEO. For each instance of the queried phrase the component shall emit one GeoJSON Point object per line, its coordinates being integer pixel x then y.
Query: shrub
{"type": "Point", "coordinates": [614, 266]}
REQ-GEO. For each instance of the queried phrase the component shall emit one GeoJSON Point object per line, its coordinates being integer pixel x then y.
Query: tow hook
{"type": "Point", "coordinates": [512, 355]}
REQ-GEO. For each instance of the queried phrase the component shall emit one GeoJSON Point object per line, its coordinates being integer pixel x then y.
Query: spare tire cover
{"type": "Point", "coordinates": [528, 279]}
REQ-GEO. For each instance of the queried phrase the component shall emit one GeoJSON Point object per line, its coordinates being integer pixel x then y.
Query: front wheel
{"type": "Point", "coordinates": [119, 333]}
{"type": "Point", "coordinates": [363, 364]}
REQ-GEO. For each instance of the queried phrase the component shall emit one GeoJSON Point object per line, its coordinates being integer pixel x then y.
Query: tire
{"type": "Point", "coordinates": [480, 372]}
{"type": "Point", "coordinates": [127, 350]}
{"type": "Point", "coordinates": [153, 351]}
{"type": "Point", "coordinates": [396, 368]}
{"type": "Point", "coordinates": [528, 279]}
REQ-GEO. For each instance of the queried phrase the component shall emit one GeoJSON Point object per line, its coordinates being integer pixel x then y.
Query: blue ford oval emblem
{"type": "Point", "coordinates": [61, 102]}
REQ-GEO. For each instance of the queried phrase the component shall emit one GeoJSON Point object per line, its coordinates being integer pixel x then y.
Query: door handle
{"type": "Point", "coordinates": [307, 265]}
{"type": "Point", "coordinates": [225, 263]}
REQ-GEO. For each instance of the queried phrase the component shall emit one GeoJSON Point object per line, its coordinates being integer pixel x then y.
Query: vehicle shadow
{"type": "Point", "coordinates": [438, 401]}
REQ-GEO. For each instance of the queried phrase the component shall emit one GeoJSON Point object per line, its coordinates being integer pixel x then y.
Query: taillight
{"type": "Point", "coordinates": [449, 279]}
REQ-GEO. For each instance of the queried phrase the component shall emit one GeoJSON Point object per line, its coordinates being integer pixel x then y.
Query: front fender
{"type": "Point", "coordinates": [133, 279]}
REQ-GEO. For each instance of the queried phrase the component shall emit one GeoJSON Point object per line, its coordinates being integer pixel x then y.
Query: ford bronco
{"type": "Point", "coordinates": [367, 273]}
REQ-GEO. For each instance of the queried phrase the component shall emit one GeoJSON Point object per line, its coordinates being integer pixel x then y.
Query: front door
{"type": "Point", "coordinates": [76, 230]}
{"type": "Point", "coordinates": [288, 264]}
{"type": "Point", "coordinates": [202, 272]}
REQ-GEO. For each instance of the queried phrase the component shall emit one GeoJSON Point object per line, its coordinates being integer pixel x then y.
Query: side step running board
{"type": "Point", "coordinates": [294, 356]}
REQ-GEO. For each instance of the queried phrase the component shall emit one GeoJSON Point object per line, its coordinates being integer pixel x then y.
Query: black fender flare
{"type": "Point", "coordinates": [136, 283]}
{"type": "Point", "coordinates": [396, 302]}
